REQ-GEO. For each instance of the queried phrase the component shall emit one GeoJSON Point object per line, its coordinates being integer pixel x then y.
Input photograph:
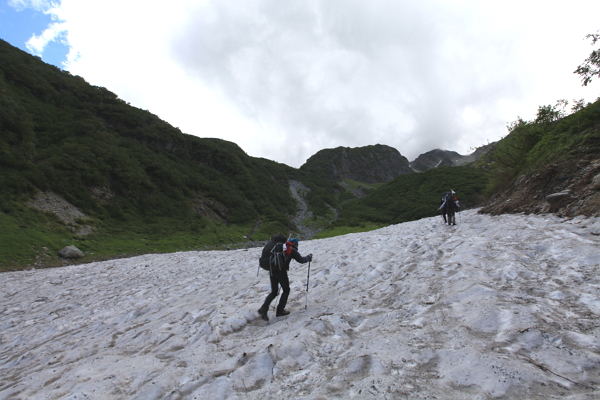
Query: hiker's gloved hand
{"type": "Point", "coordinates": [309, 257]}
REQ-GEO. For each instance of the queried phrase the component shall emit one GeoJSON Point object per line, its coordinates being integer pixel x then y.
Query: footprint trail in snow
{"type": "Point", "coordinates": [495, 307]}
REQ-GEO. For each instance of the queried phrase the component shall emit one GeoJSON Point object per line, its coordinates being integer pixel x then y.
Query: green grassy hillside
{"type": "Point", "coordinates": [551, 138]}
{"type": "Point", "coordinates": [144, 185]}
{"type": "Point", "coordinates": [410, 197]}
{"type": "Point", "coordinates": [368, 164]}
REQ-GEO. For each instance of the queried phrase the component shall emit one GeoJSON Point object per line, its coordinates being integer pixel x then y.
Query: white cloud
{"type": "Point", "coordinates": [286, 79]}
{"type": "Point", "coordinates": [39, 5]}
{"type": "Point", "coordinates": [55, 31]}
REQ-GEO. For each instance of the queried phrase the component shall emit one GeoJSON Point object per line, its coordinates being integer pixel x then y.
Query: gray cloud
{"type": "Point", "coordinates": [327, 73]}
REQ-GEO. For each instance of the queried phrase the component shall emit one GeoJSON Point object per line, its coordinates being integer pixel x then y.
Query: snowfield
{"type": "Point", "coordinates": [495, 307]}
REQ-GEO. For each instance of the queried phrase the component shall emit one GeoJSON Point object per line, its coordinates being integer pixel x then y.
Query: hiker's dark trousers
{"type": "Point", "coordinates": [278, 278]}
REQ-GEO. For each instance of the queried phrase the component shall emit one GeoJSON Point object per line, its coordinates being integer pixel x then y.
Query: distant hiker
{"type": "Point", "coordinates": [276, 257]}
{"type": "Point", "coordinates": [449, 207]}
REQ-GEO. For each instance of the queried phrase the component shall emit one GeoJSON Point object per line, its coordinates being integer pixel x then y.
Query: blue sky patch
{"type": "Point", "coordinates": [17, 27]}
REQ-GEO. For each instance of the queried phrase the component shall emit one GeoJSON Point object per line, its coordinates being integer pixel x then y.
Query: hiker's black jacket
{"type": "Point", "coordinates": [296, 256]}
{"type": "Point", "coordinates": [456, 204]}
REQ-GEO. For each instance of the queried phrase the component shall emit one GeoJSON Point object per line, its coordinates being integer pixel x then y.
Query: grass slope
{"type": "Point", "coordinates": [164, 190]}
{"type": "Point", "coordinates": [410, 197]}
{"type": "Point", "coordinates": [550, 138]}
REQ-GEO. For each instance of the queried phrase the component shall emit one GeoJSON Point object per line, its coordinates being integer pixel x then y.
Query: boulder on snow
{"type": "Point", "coordinates": [71, 252]}
{"type": "Point", "coordinates": [595, 182]}
{"type": "Point", "coordinates": [557, 197]}
{"type": "Point", "coordinates": [558, 200]}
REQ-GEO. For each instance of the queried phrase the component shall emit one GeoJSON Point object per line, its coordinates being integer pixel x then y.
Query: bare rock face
{"type": "Point", "coordinates": [211, 209]}
{"type": "Point", "coordinates": [439, 158]}
{"type": "Point", "coordinates": [71, 252]}
{"type": "Point", "coordinates": [49, 201]}
{"type": "Point", "coordinates": [102, 193]}
{"type": "Point", "coordinates": [435, 158]}
{"type": "Point", "coordinates": [67, 212]}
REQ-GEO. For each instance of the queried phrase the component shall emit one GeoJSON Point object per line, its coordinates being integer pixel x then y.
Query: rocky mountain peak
{"type": "Point", "coordinates": [368, 164]}
{"type": "Point", "coordinates": [439, 158]}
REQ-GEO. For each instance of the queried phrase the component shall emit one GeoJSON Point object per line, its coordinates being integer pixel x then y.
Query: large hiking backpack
{"type": "Point", "coordinates": [449, 207]}
{"type": "Point", "coordinates": [274, 252]}
{"type": "Point", "coordinates": [447, 196]}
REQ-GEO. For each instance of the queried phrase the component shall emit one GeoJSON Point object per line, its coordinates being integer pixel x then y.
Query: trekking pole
{"type": "Point", "coordinates": [307, 278]}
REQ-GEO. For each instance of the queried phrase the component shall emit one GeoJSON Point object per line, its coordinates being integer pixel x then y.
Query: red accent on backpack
{"type": "Point", "coordinates": [288, 247]}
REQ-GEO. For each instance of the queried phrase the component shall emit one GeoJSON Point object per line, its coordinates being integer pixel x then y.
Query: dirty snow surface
{"type": "Point", "coordinates": [495, 307]}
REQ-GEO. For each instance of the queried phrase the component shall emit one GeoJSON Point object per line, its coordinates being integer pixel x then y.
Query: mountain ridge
{"type": "Point", "coordinates": [439, 158]}
{"type": "Point", "coordinates": [369, 164]}
{"type": "Point", "coordinates": [144, 186]}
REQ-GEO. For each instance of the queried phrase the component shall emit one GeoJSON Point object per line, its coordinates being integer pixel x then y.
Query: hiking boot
{"type": "Point", "coordinates": [282, 313]}
{"type": "Point", "coordinates": [263, 314]}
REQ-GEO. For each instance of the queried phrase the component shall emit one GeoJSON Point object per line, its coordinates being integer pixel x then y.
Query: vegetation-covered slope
{"type": "Point", "coordinates": [552, 154]}
{"type": "Point", "coordinates": [368, 164]}
{"type": "Point", "coordinates": [410, 197]}
{"type": "Point", "coordinates": [127, 170]}
{"type": "Point", "coordinates": [144, 186]}
{"type": "Point", "coordinates": [550, 164]}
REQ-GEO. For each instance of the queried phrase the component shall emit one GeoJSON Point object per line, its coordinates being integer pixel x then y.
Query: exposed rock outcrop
{"type": "Point", "coordinates": [49, 201]}
{"type": "Point", "coordinates": [568, 189]}
{"type": "Point", "coordinates": [211, 209]}
{"type": "Point", "coordinates": [65, 211]}
{"type": "Point", "coordinates": [102, 193]}
{"type": "Point", "coordinates": [435, 158]}
{"type": "Point", "coordinates": [439, 158]}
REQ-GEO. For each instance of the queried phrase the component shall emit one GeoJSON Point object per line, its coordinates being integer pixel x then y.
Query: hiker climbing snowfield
{"type": "Point", "coordinates": [450, 205]}
{"type": "Point", "coordinates": [276, 258]}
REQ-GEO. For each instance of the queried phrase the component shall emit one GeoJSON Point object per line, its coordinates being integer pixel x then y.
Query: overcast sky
{"type": "Point", "coordinates": [286, 78]}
